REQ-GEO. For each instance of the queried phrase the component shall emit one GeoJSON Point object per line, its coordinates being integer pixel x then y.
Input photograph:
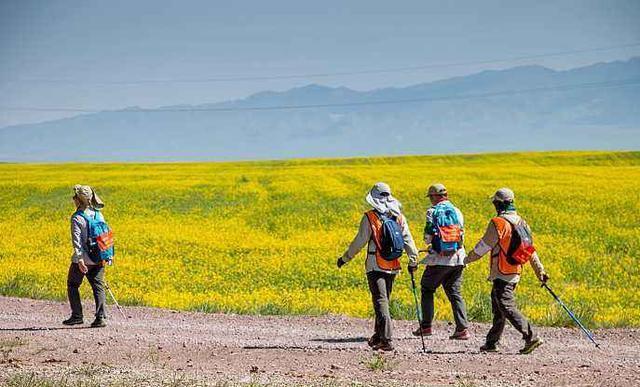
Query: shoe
{"type": "Point", "coordinates": [425, 332]}
{"type": "Point", "coordinates": [73, 321]}
{"type": "Point", "coordinates": [460, 335]}
{"type": "Point", "coordinates": [489, 348]}
{"type": "Point", "coordinates": [383, 346]}
{"type": "Point", "coordinates": [98, 323]}
{"type": "Point", "coordinates": [373, 341]}
{"type": "Point", "coordinates": [531, 345]}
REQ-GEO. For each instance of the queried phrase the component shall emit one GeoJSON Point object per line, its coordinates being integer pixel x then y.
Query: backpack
{"type": "Point", "coordinates": [447, 230]}
{"type": "Point", "coordinates": [521, 247]}
{"type": "Point", "coordinates": [391, 239]}
{"type": "Point", "coordinates": [100, 238]}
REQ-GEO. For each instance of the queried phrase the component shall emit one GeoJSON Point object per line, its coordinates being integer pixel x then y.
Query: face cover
{"type": "Point", "coordinates": [502, 207]}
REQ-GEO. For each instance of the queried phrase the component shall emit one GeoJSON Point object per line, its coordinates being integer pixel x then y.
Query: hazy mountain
{"type": "Point", "coordinates": [594, 107]}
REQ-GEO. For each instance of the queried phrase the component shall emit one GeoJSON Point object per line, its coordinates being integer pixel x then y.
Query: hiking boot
{"type": "Point", "coordinates": [73, 321]}
{"type": "Point", "coordinates": [460, 335]}
{"type": "Point", "coordinates": [531, 345]}
{"type": "Point", "coordinates": [489, 348]}
{"type": "Point", "coordinates": [383, 346]}
{"type": "Point", "coordinates": [98, 323]}
{"type": "Point", "coordinates": [425, 332]}
{"type": "Point", "coordinates": [373, 341]}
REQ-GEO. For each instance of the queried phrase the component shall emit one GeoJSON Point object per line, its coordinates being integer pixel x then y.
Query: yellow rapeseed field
{"type": "Point", "coordinates": [263, 237]}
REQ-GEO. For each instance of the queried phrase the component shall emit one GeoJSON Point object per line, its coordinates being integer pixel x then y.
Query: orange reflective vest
{"type": "Point", "coordinates": [376, 230]}
{"type": "Point", "coordinates": [504, 240]}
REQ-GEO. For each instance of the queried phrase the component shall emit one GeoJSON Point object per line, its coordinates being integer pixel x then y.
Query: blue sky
{"type": "Point", "coordinates": [88, 42]}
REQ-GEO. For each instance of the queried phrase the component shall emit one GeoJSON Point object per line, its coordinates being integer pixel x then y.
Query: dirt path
{"type": "Point", "coordinates": [155, 346]}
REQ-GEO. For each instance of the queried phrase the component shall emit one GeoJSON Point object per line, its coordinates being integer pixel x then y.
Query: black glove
{"type": "Point", "coordinates": [340, 262]}
{"type": "Point", "coordinates": [412, 268]}
{"type": "Point", "coordinates": [544, 278]}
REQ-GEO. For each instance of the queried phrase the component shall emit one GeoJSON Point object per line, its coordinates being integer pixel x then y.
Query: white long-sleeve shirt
{"type": "Point", "coordinates": [365, 237]}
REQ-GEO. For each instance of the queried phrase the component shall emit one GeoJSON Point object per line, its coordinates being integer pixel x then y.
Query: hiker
{"type": "Point", "coordinates": [86, 202]}
{"type": "Point", "coordinates": [443, 233]}
{"type": "Point", "coordinates": [386, 233]}
{"type": "Point", "coordinates": [508, 238]}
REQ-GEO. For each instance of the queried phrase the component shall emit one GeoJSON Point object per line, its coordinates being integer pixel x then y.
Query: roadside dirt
{"type": "Point", "coordinates": [163, 347]}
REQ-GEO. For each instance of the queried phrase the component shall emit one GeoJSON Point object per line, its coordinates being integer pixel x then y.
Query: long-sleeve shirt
{"type": "Point", "coordinates": [365, 237]}
{"type": "Point", "coordinates": [80, 237]}
{"type": "Point", "coordinates": [490, 242]}
{"type": "Point", "coordinates": [434, 258]}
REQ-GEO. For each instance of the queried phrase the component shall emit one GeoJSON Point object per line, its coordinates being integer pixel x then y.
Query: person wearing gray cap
{"type": "Point", "coordinates": [384, 221]}
{"type": "Point", "coordinates": [508, 238]}
{"type": "Point", "coordinates": [443, 233]}
{"type": "Point", "coordinates": [86, 202]}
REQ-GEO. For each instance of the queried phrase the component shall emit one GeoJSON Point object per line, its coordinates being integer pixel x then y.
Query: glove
{"type": "Point", "coordinates": [544, 278]}
{"type": "Point", "coordinates": [412, 268]}
{"type": "Point", "coordinates": [340, 262]}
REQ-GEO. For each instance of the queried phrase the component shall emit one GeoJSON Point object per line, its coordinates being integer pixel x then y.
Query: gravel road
{"type": "Point", "coordinates": [163, 347]}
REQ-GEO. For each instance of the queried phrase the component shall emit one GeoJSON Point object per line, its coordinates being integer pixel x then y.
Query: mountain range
{"type": "Point", "coordinates": [521, 108]}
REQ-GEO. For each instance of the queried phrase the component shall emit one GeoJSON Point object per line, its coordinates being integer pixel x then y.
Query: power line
{"type": "Point", "coordinates": [591, 85]}
{"type": "Point", "coordinates": [325, 74]}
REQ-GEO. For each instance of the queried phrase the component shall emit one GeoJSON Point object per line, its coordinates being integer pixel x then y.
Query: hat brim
{"type": "Point", "coordinates": [96, 202]}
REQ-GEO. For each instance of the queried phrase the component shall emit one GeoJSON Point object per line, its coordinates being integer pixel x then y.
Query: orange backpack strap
{"type": "Point", "coordinates": [504, 229]}
{"type": "Point", "coordinates": [375, 223]}
{"type": "Point", "coordinates": [376, 228]}
{"type": "Point", "coordinates": [502, 226]}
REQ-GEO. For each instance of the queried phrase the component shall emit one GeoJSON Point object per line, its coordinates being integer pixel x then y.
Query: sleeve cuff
{"type": "Point", "coordinates": [481, 248]}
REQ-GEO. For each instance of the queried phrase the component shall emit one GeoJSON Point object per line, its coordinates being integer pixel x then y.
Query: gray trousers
{"type": "Point", "coordinates": [380, 285]}
{"type": "Point", "coordinates": [503, 305]}
{"type": "Point", "coordinates": [450, 277]}
{"type": "Point", "coordinates": [95, 276]}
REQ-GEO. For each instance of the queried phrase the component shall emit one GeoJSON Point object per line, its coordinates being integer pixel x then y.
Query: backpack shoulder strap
{"type": "Point", "coordinates": [81, 214]}
{"type": "Point", "coordinates": [374, 223]}
{"type": "Point", "coordinates": [373, 217]}
{"type": "Point", "coordinates": [502, 224]}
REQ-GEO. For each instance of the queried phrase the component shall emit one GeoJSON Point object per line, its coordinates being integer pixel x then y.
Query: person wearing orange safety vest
{"type": "Point", "coordinates": [506, 263]}
{"type": "Point", "coordinates": [381, 272]}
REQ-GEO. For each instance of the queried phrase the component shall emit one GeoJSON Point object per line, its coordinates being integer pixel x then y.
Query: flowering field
{"type": "Point", "coordinates": [263, 237]}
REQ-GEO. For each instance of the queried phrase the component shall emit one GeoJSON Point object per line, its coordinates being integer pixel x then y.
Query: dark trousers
{"type": "Point", "coordinates": [95, 276]}
{"type": "Point", "coordinates": [380, 285]}
{"type": "Point", "coordinates": [503, 305]}
{"type": "Point", "coordinates": [450, 277]}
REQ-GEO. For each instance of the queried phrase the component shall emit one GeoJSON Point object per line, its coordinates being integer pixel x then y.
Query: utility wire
{"type": "Point", "coordinates": [579, 86]}
{"type": "Point", "coordinates": [325, 74]}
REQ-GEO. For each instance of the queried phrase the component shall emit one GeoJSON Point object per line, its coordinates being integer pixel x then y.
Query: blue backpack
{"type": "Point", "coordinates": [391, 240]}
{"type": "Point", "coordinates": [100, 238]}
{"type": "Point", "coordinates": [446, 229]}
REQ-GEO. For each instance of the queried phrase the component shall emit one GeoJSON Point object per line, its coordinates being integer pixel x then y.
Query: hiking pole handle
{"type": "Point", "coordinates": [571, 315]}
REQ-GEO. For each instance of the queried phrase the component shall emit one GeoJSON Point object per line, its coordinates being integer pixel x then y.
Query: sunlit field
{"type": "Point", "coordinates": [263, 237]}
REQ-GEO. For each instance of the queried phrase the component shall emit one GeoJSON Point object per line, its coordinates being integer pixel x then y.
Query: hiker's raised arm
{"type": "Point", "coordinates": [360, 240]}
{"type": "Point", "coordinates": [409, 245]}
{"type": "Point", "coordinates": [536, 264]}
{"type": "Point", "coordinates": [484, 245]}
{"type": "Point", "coordinates": [428, 228]}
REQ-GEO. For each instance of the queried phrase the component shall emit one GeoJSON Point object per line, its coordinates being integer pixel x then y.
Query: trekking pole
{"type": "Point", "coordinates": [570, 313]}
{"type": "Point", "coordinates": [418, 313]}
{"type": "Point", "coordinates": [106, 285]}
